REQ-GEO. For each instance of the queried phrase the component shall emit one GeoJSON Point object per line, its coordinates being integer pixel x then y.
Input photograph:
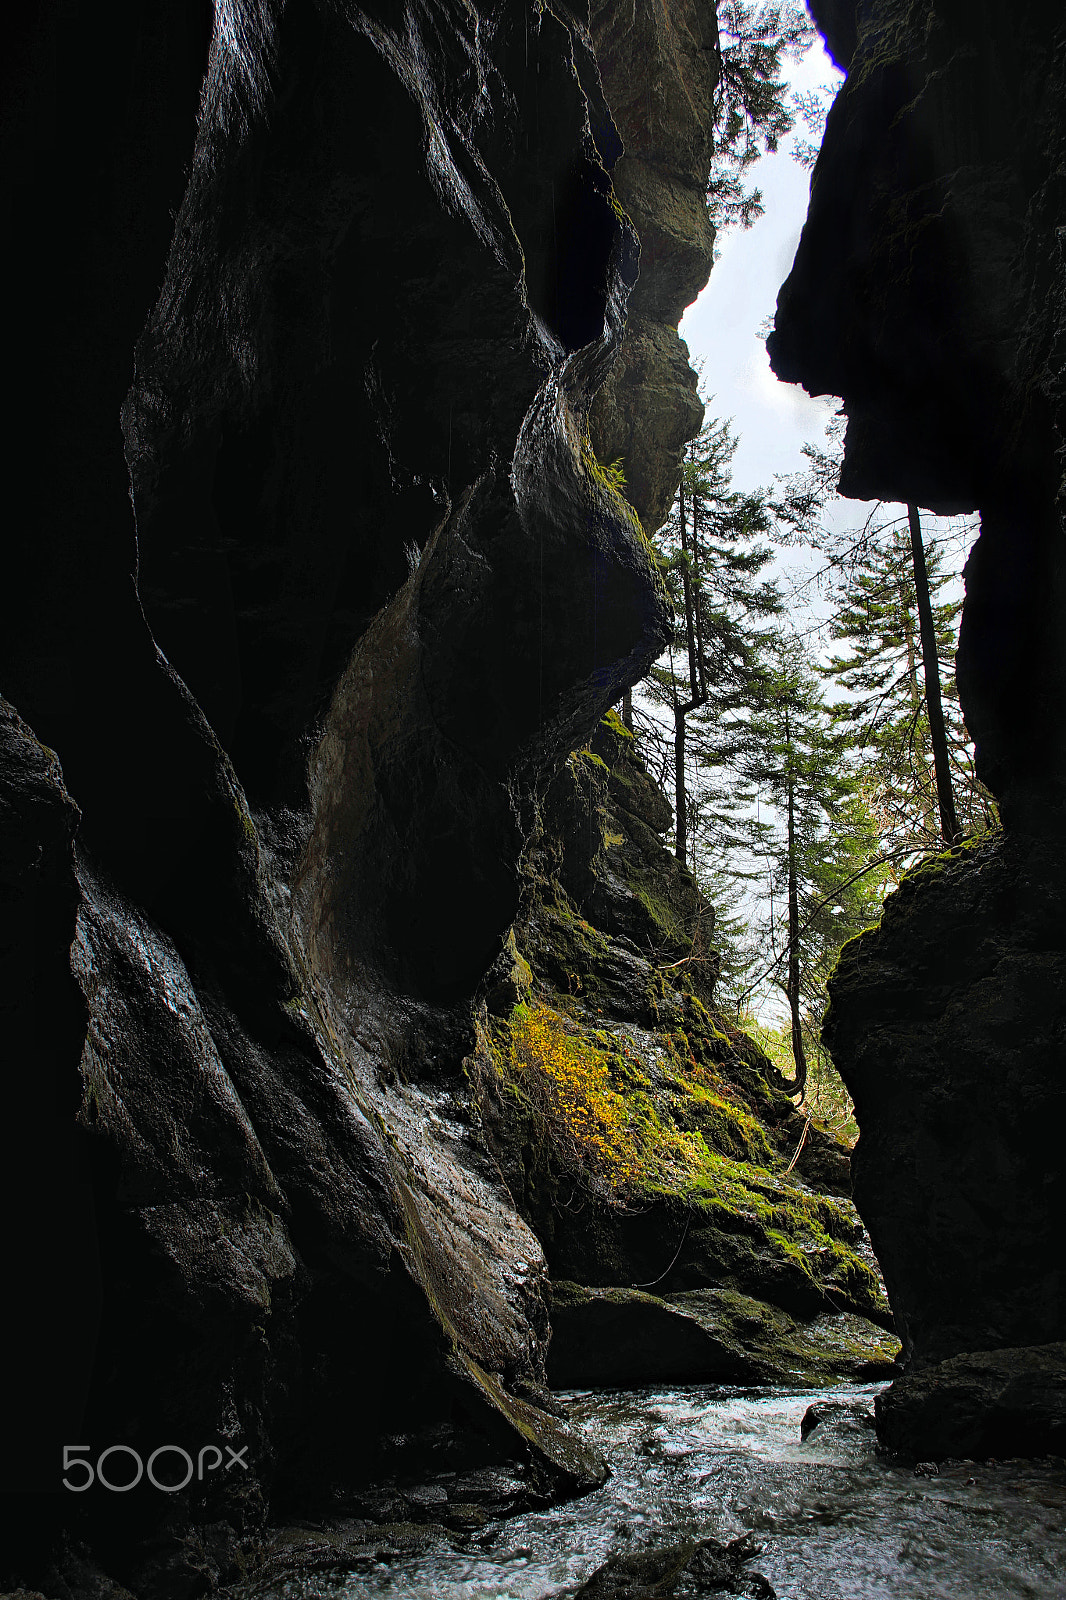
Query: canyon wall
{"type": "Point", "coordinates": [927, 292]}
{"type": "Point", "coordinates": [320, 579]}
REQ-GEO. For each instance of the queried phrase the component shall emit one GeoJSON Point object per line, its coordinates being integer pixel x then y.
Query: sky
{"type": "Point", "coordinates": [773, 419]}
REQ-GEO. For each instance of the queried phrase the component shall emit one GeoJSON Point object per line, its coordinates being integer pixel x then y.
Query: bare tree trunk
{"type": "Point", "coordinates": [949, 824]}
{"type": "Point", "coordinates": [627, 710]}
{"type": "Point", "coordinates": [686, 585]}
{"type": "Point", "coordinates": [680, 810]}
{"type": "Point", "coordinates": [798, 1052]}
{"type": "Point", "coordinates": [697, 695]}
{"type": "Point", "coordinates": [701, 654]}
{"type": "Point", "coordinates": [927, 782]}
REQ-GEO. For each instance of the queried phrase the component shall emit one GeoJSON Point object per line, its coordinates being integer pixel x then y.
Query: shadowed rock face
{"type": "Point", "coordinates": [660, 69]}
{"type": "Point", "coordinates": [372, 593]}
{"type": "Point", "coordinates": [927, 291]}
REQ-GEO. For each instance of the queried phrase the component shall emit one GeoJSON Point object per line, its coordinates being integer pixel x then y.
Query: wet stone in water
{"type": "Point", "coordinates": [689, 1569]}
{"type": "Point", "coordinates": [840, 1416]}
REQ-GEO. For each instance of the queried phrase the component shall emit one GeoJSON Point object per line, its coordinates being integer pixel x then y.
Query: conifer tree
{"type": "Point", "coordinates": [818, 844]}
{"type": "Point", "coordinates": [884, 580]}
{"type": "Point", "coordinates": [886, 678]}
{"type": "Point", "coordinates": [949, 825]}
{"type": "Point", "coordinates": [753, 106]}
{"type": "Point", "coordinates": [713, 552]}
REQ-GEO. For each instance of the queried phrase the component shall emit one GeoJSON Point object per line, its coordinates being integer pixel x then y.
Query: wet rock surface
{"type": "Point", "coordinates": [626, 1336]}
{"type": "Point", "coordinates": [342, 348]}
{"type": "Point", "coordinates": [660, 68]}
{"type": "Point", "coordinates": [346, 349]}
{"type": "Point", "coordinates": [996, 1403]}
{"type": "Point", "coordinates": [706, 1567]}
{"type": "Point", "coordinates": [837, 1417]}
{"type": "Point", "coordinates": [833, 1516]}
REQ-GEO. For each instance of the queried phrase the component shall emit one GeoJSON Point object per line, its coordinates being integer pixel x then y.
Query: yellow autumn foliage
{"type": "Point", "coordinates": [595, 1104]}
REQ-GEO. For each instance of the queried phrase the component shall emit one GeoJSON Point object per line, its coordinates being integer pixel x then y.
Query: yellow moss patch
{"type": "Point", "coordinates": [597, 1103]}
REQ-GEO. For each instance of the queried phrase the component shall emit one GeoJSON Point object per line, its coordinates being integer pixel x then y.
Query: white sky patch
{"type": "Point", "coordinates": [773, 419]}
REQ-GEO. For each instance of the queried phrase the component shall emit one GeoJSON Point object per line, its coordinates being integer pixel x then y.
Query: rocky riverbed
{"type": "Point", "coordinates": [826, 1515]}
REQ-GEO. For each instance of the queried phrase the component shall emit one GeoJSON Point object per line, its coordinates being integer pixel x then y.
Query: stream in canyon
{"type": "Point", "coordinates": [833, 1519]}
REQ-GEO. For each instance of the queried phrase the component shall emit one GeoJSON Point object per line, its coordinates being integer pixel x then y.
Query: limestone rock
{"type": "Point", "coordinates": [508, 979]}
{"type": "Point", "coordinates": [644, 1137]}
{"type": "Point", "coordinates": [929, 293]}
{"type": "Point", "coordinates": [947, 1024]}
{"type": "Point", "coordinates": [321, 587]}
{"type": "Point", "coordinates": [692, 1567]}
{"type": "Point", "coordinates": [837, 1417]}
{"type": "Point", "coordinates": [45, 1170]}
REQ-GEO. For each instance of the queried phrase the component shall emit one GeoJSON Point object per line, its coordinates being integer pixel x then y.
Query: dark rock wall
{"type": "Point", "coordinates": [927, 291]}
{"type": "Point", "coordinates": [660, 69]}
{"type": "Point", "coordinates": [332, 317]}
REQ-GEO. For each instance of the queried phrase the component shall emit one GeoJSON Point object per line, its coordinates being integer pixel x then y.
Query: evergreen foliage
{"type": "Point", "coordinates": [868, 575]}
{"type": "Point", "coordinates": [819, 838]}
{"type": "Point", "coordinates": [885, 708]}
{"type": "Point", "coordinates": [713, 552]}
{"type": "Point", "coordinates": [803, 785]}
{"type": "Point", "coordinates": [753, 109]}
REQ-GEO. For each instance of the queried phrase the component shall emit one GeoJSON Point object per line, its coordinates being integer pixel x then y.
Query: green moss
{"type": "Point", "coordinates": [611, 478]}
{"type": "Point", "coordinates": [931, 866]}
{"type": "Point", "coordinates": [601, 1120]}
{"type": "Point", "coordinates": [726, 1127]}
{"type": "Point", "coordinates": [613, 721]}
{"type": "Point", "coordinates": [244, 817]}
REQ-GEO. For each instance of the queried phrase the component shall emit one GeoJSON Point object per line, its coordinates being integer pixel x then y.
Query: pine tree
{"type": "Point", "coordinates": [798, 761]}
{"type": "Point", "coordinates": [902, 700]}
{"type": "Point", "coordinates": [817, 838]}
{"type": "Point", "coordinates": [934, 710]}
{"type": "Point", "coordinates": [712, 551]}
{"type": "Point", "coordinates": [753, 107]}
{"type": "Point", "coordinates": [886, 703]}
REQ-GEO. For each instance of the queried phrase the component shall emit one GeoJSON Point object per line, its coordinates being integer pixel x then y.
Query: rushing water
{"type": "Point", "coordinates": [835, 1521]}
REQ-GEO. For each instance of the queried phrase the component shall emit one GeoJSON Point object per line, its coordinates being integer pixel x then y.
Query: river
{"type": "Point", "coordinates": [834, 1519]}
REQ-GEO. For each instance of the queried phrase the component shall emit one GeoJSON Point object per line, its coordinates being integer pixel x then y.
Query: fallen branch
{"type": "Point", "coordinates": [799, 1147]}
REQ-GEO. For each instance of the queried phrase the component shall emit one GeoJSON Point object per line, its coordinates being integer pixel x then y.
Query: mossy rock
{"type": "Point", "coordinates": [625, 1336]}
{"type": "Point", "coordinates": [646, 1138]}
{"type": "Point", "coordinates": [508, 979]}
{"type": "Point", "coordinates": [632, 1161]}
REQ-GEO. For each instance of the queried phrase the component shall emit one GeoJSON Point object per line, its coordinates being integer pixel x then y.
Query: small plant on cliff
{"type": "Point", "coordinates": [567, 1083]}
{"type": "Point", "coordinates": [613, 474]}
{"type": "Point", "coordinates": [594, 1100]}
